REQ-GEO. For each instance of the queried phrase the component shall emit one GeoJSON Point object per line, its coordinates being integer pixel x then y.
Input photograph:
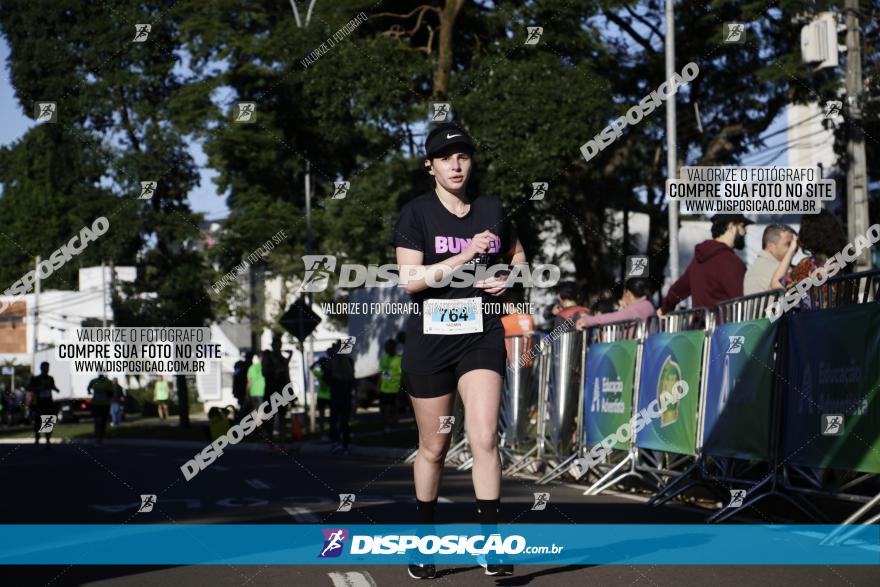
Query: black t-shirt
{"type": "Point", "coordinates": [426, 225]}
{"type": "Point", "coordinates": [42, 386]}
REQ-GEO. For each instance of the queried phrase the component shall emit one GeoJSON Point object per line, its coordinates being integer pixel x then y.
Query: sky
{"type": "Point", "coordinates": [204, 198]}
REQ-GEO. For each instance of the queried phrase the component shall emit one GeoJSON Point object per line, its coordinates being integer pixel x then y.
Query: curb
{"type": "Point", "coordinates": [386, 452]}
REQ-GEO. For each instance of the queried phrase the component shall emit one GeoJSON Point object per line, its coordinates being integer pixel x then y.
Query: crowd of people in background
{"type": "Point", "coordinates": [715, 274]}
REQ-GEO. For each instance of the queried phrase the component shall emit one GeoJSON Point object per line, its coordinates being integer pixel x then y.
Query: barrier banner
{"type": "Point", "coordinates": [608, 389]}
{"type": "Point", "coordinates": [832, 408]}
{"type": "Point", "coordinates": [739, 390]}
{"type": "Point", "coordinates": [667, 358]}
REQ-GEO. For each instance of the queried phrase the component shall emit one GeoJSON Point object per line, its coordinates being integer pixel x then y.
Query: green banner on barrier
{"type": "Point", "coordinates": [832, 407]}
{"type": "Point", "coordinates": [739, 390]}
{"type": "Point", "coordinates": [667, 358]}
{"type": "Point", "coordinates": [608, 389]}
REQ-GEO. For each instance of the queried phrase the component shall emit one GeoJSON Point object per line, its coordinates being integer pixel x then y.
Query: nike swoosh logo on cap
{"type": "Point", "coordinates": [449, 136]}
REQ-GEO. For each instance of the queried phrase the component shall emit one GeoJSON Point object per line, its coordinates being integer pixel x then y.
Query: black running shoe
{"type": "Point", "coordinates": [419, 571]}
{"type": "Point", "coordinates": [499, 570]}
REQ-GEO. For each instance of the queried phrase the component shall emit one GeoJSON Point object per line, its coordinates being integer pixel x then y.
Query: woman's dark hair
{"type": "Point", "coordinates": [821, 234]}
{"type": "Point", "coordinates": [639, 287]}
{"type": "Point", "coordinates": [605, 306]}
{"type": "Point", "coordinates": [568, 290]}
{"type": "Point", "coordinates": [391, 346]}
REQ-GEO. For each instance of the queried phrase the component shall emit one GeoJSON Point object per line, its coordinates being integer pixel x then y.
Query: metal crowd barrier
{"type": "Point", "coordinates": [838, 292]}
{"type": "Point", "coordinates": [606, 333]}
{"type": "Point", "coordinates": [536, 458]}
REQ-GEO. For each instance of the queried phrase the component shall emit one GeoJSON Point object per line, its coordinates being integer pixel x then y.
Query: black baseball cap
{"type": "Point", "coordinates": [735, 218]}
{"type": "Point", "coordinates": [446, 134]}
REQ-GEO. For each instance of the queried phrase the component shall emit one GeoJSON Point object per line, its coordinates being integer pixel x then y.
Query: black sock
{"type": "Point", "coordinates": [425, 511]}
{"type": "Point", "coordinates": [488, 510]}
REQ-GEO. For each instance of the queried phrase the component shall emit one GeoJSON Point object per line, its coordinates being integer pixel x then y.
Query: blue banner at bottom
{"type": "Point", "coordinates": [522, 544]}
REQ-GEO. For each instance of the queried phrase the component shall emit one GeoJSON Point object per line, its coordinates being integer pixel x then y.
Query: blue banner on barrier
{"type": "Point", "coordinates": [739, 390]}
{"type": "Point", "coordinates": [832, 408]}
{"type": "Point", "coordinates": [345, 544]}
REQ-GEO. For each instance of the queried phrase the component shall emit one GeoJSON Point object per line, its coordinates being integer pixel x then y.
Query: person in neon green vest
{"type": "Point", "coordinates": [389, 383]}
{"type": "Point", "coordinates": [256, 389]}
{"type": "Point", "coordinates": [323, 403]}
{"type": "Point", "coordinates": [160, 395]}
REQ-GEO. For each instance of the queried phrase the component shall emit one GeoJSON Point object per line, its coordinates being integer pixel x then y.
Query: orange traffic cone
{"type": "Point", "coordinates": [297, 429]}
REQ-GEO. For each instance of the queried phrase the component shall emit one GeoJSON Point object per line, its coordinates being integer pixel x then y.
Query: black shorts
{"type": "Point", "coordinates": [444, 382]}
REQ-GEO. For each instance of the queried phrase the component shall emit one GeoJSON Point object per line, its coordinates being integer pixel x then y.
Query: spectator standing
{"type": "Point", "coordinates": [101, 389]}
{"type": "Point", "coordinates": [821, 237]}
{"type": "Point", "coordinates": [567, 307]}
{"type": "Point", "coordinates": [389, 383]}
{"type": "Point", "coordinates": [778, 246]}
{"type": "Point", "coordinates": [634, 304]}
{"type": "Point", "coordinates": [40, 389]}
{"type": "Point", "coordinates": [239, 384]}
{"type": "Point", "coordinates": [161, 391]}
{"type": "Point", "coordinates": [116, 406]}
{"type": "Point", "coordinates": [256, 389]}
{"type": "Point", "coordinates": [716, 273]}
{"type": "Point", "coordinates": [323, 392]}
{"type": "Point", "coordinates": [340, 377]}
{"type": "Point", "coordinates": [278, 379]}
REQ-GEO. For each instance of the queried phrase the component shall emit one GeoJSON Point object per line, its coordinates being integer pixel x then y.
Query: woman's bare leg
{"type": "Point", "coordinates": [481, 393]}
{"type": "Point", "coordinates": [428, 466]}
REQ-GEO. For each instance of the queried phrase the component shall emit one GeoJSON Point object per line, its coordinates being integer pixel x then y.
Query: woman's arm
{"type": "Point", "coordinates": [413, 274]}
{"type": "Point", "coordinates": [496, 286]}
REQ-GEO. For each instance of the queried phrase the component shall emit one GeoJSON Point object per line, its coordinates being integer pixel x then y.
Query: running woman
{"type": "Point", "coordinates": [455, 341]}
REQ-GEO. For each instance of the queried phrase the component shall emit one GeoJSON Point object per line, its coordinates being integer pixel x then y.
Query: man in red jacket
{"type": "Point", "coordinates": [715, 274]}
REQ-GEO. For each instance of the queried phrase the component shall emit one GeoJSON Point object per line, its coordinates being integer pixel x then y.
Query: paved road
{"type": "Point", "coordinates": [81, 483]}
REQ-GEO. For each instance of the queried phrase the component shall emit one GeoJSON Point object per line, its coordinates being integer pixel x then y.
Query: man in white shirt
{"type": "Point", "coordinates": [778, 249]}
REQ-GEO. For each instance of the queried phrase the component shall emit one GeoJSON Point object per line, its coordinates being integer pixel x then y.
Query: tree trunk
{"type": "Point", "coordinates": [444, 49]}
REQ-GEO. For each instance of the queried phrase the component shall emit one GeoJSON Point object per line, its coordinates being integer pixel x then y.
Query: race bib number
{"type": "Point", "coordinates": [462, 316]}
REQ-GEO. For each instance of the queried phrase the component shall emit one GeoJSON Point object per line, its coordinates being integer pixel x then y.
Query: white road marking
{"type": "Point", "coordinates": [257, 484]}
{"type": "Point", "coordinates": [352, 579]}
{"type": "Point", "coordinates": [302, 515]}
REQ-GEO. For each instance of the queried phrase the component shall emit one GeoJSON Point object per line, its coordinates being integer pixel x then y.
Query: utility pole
{"type": "Point", "coordinates": [103, 296]}
{"type": "Point", "coordinates": [856, 171]}
{"type": "Point", "coordinates": [311, 398]}
{"type": "Point", "coordinates": [671, 141]}
{"type": "Point", "coordinates": [36, 314]}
